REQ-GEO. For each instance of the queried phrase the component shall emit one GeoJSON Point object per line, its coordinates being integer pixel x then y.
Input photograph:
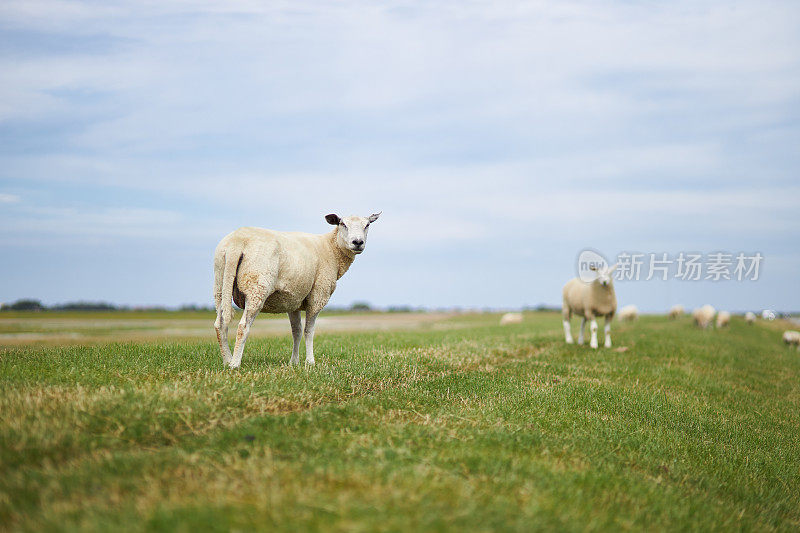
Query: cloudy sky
{"type": "Point", "coordinates": [498, 138]}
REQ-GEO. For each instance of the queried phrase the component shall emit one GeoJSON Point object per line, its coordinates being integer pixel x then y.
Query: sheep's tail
{"type": "Point", "coordinates": [223, 283]}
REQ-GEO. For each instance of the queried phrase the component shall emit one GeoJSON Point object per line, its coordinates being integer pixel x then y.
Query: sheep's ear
{"type": "Point", "coordinates": [373, 217]}
{"type": "Point", "coordinates": [613, 268]}
{"type": "Point", "coordinates": [333, 219]}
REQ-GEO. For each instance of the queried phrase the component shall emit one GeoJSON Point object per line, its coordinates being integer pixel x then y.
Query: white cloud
{"type": "Point", "coordinates": [9, 198]}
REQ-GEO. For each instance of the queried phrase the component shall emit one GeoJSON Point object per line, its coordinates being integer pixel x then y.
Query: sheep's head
{"type": "Point", "coordinates": [351, 232]}
{"type": "Point", "coordinates": [604, 274]}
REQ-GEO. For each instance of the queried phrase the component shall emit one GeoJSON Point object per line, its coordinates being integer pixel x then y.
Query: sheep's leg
{"type": "Point", "coordinates": [583, 326]}
{"type": "Point", "coordinates": [221, 326]}
{"type": "Point", "coordinates": [297, 329]}
{"type": "Point", "coordinates": [310, 322]}
{"type": "Point", "coordinates": [607, 332]}
{"type": "Point", "coordinates": [251, 309]}
{"type": "Point", "coordinates": [593, 330]}
{"type": "Point", "coordinates": [565, 315]}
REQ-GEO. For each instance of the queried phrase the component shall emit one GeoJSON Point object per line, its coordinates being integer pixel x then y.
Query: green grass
{"type": "Point", "coordinates": [466, 427]}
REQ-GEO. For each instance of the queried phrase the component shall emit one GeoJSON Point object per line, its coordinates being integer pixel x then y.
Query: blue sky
{"type": "Point", "coordinates": [498, 138]}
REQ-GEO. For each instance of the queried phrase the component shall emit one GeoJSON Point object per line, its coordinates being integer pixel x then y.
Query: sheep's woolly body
{"type": "Point", "coordinates": [704, 316]}
{"type": "Point", "coordinates": [792, 338]}
{"type": "Point", "coordinates": [723, 319]}
{"type": "Point", "coordinates": [511, 318]}
{"type": "Point", "coordinates": [628, 313]}
{"type": "Point", "coordinates": [676, 311]}
{"type": "Point", "coordinates": [301, 269]}
{"type": "Point", "coordinates": [750, 317]}
{"type": "Point", "coordinates": [589, 300]}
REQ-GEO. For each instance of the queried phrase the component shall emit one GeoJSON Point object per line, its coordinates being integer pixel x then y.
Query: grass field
{"type": "Point", "coordinates": [447, 423]}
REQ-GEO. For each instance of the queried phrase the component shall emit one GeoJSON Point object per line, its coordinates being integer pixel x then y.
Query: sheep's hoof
{"type": "Point", "coordinates": [593, 345]}
{"type": "Point", "coordinates": [232, 366]}
{"type": "Point", "coordinates": [607, 345]}
{"type": "Point", "coordinates": [310, 363]}
{"type": "Point", "coordinates": [569, 341]}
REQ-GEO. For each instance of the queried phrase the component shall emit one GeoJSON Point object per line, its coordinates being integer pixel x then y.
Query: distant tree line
{"type": "Point", "coordinates": [23, 305]}
{"type": "Point", "coordinates": [28, 304]}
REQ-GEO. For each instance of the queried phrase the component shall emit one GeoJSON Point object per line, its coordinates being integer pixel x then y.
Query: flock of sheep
{"type": "Point", "coordinates": [597, 298]}
{"type": "Point", "coordinates": [290, 272]}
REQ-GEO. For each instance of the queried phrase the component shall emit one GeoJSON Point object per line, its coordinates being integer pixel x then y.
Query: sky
{"type": "Point", "coordinates": [499, 139]}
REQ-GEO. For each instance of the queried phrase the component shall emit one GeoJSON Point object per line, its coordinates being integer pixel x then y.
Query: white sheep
{"type": "Point", "coordinates": [629, 313]}
{"type": "Point", "coordinates": [590, 300]}
{"type": "Point", "coordinates": [511, 318]}
{"type": "Point", "coordinates": [723, 319]}
{"type": "Point", "coordinates": [750, 317]}
{"type": "Point", "coordinates": [676, 311]}
{"type": "Point", "coordinates": [704, 316]}
{"type": "Point", "coordinates": [792, 338]}
{"type": "Point", "coordinates": [282, 272]}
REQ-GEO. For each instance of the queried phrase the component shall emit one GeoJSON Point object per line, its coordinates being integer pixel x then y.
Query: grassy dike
{"type": "Point", "coordinates": [467, 426]}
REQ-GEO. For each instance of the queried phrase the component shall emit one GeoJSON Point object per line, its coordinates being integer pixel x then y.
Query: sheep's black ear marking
{"type": "Point", "coordinates": [333, 219]}
{"type": "Point", "coordinates": [373, 217]}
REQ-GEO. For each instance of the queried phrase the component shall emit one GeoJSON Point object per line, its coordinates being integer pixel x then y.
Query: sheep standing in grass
{"type": "Point", "coordinates": [282, 272]}
{"type": "Point", "coordinates": [590, 300]}
{"type": "Point", "coordinates": [629, 313]}
{"type": "Point", "coordinates": [750, 317]}
{"type": "Point", "coordinates": [676, 311]}
{"type": "Point", "coordinates": [792, 338]}
{"type": "Point", "coordinates": [723, 319]}
{"type": "Point", "coordinates": [511, 318]}
{"type": "Point", "coordinates": [704, 316]}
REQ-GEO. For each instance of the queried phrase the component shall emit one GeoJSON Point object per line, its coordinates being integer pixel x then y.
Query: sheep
{"type": "Point", "coordinates": [723, 319]}
{"type": "Point", "coordinates": [590, 300]}
{"type": "Point", "coordinates": [750, 317]}
{"type": "Point", "coordinates": [704, 316]}
{"type": "Point", "coordinates": [676, 311]}
{"type": "Point", "coordinates": [282, 272]}
{"type": "Point", "coordinates": [792, 338]}
{"type": "Point", "coordinates": [511, 318]}
{"type": "Point", "coordinates": [629, 313]}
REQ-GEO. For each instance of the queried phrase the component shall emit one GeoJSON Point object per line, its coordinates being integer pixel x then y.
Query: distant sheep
{"type": "Point", "coordinates": [723, 319]}
{"type": "Point", "coordinates": [792, 338]}
{"type": "Point", "coordinates": [282, 272]}
{"type": "Point", "coordinates": [590, 300]}
{"type": "Point", "coordinates": [629, 313]}
{"type": "Point", "coordinates": [511, 318]}
{"type": "Point", "coordinates": [676, 311]}
{"type": "Point", "coordinates": [704, 316]}
{"type": "Point", "coordinates": [750, 317]}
